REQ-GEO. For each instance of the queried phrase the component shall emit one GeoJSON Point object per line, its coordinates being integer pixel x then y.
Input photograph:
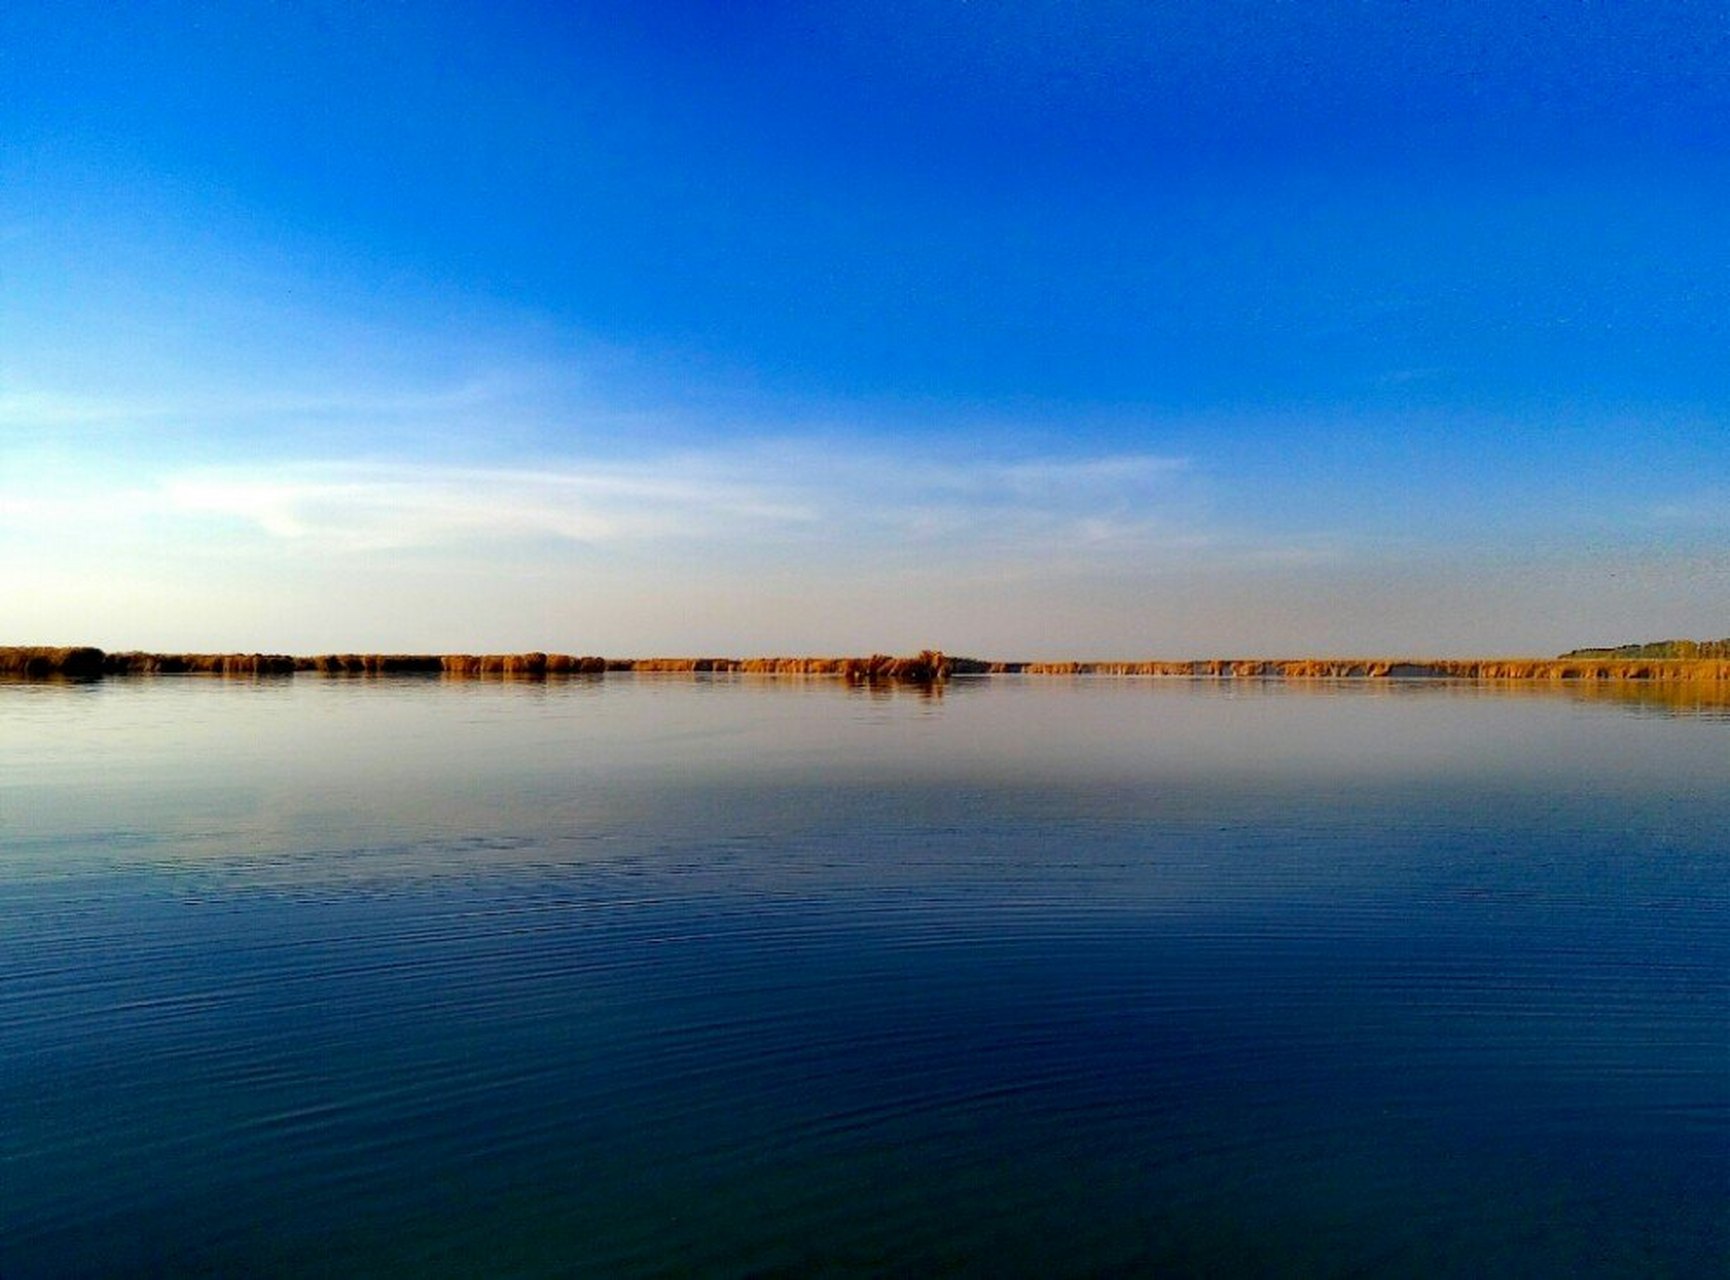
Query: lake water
{"type": "Point", "coordinates": [733, 976]}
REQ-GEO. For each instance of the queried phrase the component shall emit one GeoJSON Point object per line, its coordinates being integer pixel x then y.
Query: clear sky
{"type": "Point", "coordinates": [1022, 330]}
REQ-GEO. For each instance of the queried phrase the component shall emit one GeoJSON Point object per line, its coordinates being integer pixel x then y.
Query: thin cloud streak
{"type": "Point", "coordinates": [800, 500]}
{"type": "Point", "coordinates": [1709, 509]}
{"type": "Point", "coordinates": [338, 507]}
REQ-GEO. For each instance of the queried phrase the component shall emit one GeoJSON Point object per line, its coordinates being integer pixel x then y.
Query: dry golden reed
{"type": "Point", "coordinates": [929, 666]}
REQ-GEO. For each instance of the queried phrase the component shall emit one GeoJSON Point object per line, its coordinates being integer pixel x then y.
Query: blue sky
{"type": "Point", "coordinates": [1023, 330]}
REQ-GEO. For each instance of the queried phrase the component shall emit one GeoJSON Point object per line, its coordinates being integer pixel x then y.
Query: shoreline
{"type": "Point", "coordinates": [929, 666]}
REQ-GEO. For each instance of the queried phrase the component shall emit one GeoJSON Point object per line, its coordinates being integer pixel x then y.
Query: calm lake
{"type": "Point", "coordinates": [737, 976]}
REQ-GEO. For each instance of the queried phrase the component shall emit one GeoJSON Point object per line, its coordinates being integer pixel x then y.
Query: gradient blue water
{"type": "Point", "coordinates": [770, 977]}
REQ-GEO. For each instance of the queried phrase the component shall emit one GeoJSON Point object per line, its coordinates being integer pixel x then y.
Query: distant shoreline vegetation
{"type": "Point", "coordinates": [1665, 661]}
{"type": "Point", "coordinates": [1686, 650]}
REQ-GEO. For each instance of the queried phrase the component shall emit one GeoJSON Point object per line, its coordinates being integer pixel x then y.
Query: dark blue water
{"type": "Point", "coordinates": [755, 977]}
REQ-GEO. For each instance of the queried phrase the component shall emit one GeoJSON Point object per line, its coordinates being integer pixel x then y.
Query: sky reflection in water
{"type": "Point", "coordinates": [741, 976]}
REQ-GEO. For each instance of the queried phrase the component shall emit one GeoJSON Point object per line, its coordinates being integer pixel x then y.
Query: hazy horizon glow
{"type": "Point", "coordinates": [1027, 333]}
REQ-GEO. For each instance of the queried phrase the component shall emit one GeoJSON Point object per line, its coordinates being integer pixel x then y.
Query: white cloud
{"type": "Point", "coordinates": [801, 497]}
{"type": "Point", "coordinates": [1709, 509]}
{"type": "Point", "coordinates": [93, 464]}
{"type": "Point", "coordinates": [347, 507]}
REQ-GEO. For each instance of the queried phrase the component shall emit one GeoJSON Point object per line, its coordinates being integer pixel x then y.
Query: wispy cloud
{"type": "Point", "coordinates": [1708, 509]}
{"type": "Point", "coordinates": [762, 495]}
{"type": "Point", "coordinates": [366, 507]}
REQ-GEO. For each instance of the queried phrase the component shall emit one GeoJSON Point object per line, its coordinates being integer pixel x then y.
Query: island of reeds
{"type": "Point", "coordinates": [1662, 661]}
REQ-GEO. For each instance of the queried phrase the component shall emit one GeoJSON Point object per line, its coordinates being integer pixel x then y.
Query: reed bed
{"type": "Point", "coordinates": [929, 666]}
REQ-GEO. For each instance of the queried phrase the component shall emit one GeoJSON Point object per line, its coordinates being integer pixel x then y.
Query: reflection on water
{"type": "Point", "coordinates": [771, 976]}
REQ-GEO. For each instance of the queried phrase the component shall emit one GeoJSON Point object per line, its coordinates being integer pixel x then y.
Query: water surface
{"type": "Point", "coordinates": [734, 976]}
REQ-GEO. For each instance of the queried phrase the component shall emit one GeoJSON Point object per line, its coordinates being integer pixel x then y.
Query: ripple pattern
{"type": "Point", "coordinates": [898, 1001]}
